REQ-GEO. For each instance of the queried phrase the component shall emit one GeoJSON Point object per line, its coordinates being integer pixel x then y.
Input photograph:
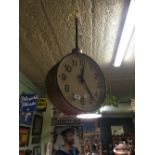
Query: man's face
{"type": "Point", "coordinates": [69, 138]}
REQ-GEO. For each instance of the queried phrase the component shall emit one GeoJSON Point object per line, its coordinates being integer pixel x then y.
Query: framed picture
{"type": "Point", "coordinates": [36, 150]}
{"type": "Point", "coordinates": [36, 140]}
{"type": "Point", "coordinates": [24, 136]}
{"type": "Point", "coordinates": [25, 118]}
{"type": "Point", "coordinates": [117, 130]}
{"type": "Point", "coordinates": [37, 125]}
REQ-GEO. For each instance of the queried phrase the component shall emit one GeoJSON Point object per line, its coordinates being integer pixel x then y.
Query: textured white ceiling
{"type": "Point", "coordinates": [47, 34]}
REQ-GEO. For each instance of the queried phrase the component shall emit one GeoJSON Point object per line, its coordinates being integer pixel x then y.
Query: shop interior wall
{"type": "Point", "coordinates": [46, 130]}
{"type": "Point", "coordinates": [106, 124]}
{"type": "Point", "coordinates": [25, 85]}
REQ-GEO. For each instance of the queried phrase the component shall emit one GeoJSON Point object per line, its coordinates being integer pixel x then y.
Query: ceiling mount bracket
{"type": "Point", "coordinates": [76, 49]}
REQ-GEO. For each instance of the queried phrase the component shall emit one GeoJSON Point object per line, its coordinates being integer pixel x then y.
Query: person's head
{"type": "Point", "coordinates": [68, 135]}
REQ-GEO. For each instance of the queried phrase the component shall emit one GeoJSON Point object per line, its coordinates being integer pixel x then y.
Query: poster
{"type": "Point", "coordinates": [58, 139]}
{"type": "Point", "coordinates": [117, 130]}
{"type": "Point", "coordinates": [24, 136]}
{"type": "Point", "coordinates": [92, 142]}
{"type": "Point", "coordinates": [27, 102]}
{"type": "Point", "coordinates": [91, 138]}
{"type": "Point", "coordinates": [41, 104]}
{"type": "Point", "coordinates": [25, 118]}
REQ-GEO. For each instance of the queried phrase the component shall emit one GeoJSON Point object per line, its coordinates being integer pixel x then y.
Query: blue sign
{"type": "Point", "coordinates": [27, 102]}
{"type": "Point", "coordinates": [25, 118]}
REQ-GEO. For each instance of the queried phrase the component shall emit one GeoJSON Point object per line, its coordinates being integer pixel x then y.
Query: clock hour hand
{"type": "Point", "coordinates": [81, 76]}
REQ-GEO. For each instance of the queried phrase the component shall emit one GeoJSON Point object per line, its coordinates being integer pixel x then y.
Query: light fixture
{"type": "Point", "coordinates": [126, 34]}
{"type": "Point", "coordinates": [89, 116]}
{"type": "Point", "coordinates": [104, 108]}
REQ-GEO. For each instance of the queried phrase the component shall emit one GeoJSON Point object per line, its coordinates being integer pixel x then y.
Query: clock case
{"type": "Point", "coordinates": [55, 95]}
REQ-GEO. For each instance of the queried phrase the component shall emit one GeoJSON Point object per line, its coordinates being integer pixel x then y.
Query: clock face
{"type": "Point", "coordinates": [81, 82]}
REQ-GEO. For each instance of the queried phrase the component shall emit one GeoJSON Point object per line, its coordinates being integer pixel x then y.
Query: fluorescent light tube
{"type": "Point", "coordinates": [126, 34]}
{"type": "Point", "coordinates": [89, 116]}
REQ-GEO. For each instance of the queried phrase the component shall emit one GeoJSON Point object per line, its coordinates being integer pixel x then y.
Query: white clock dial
{"type": "Point", "coordinates": [81, 81]}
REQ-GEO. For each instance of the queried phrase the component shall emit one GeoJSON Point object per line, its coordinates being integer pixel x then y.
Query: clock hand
{"type": "Point", "coordinates": [81, 76]}
{"type": "Point", "coordinates": [88, 90]}
{"type": "Point", "coordinates": [82, 80]}
{"type": "Point", "coordinates": [85, 84]}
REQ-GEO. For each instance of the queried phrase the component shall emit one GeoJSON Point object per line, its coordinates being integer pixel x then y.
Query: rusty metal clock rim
{"type": "Point", "coordinates": [63, 98]}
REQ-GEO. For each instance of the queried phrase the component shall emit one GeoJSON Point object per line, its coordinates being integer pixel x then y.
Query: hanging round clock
{"type": "Point", "coordinates": [76, 84]}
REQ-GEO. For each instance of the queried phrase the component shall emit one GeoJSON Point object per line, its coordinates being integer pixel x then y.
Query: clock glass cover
{"type": "Point", "coordinates": [81, 82]}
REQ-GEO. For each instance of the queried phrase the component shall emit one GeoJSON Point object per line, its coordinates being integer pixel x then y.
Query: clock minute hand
{"type": "Point", "coordinates": [88, 90]}
{"type": "Point", "coordinates": [85, 84]}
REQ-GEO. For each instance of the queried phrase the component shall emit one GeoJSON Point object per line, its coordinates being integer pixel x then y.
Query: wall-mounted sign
{"type": "Point", "coordinates": [27, 102]}
{"type": "Point", "coordinates": [25, 118]}
{"type": "Point", "coordinates": [117, 130]}
{"type": "Point", "coordinates": [67, 121]}
{"type": "Point", "coordinates": [24, 135]}
{"type": "Point", "coordinates": [41, 104]}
